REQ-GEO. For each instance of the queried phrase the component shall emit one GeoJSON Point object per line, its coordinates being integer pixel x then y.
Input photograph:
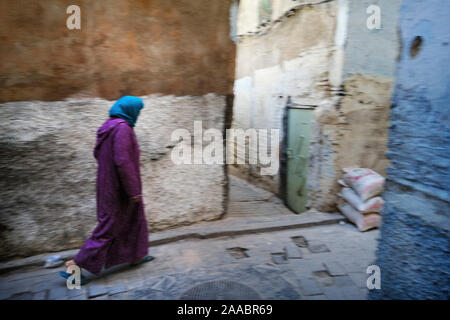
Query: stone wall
{"type": "Point", "coordinates": [413, 251]}
{"type": "Point", "coordinates": [135, 47]}
{"type": "Point", "coordinates": [287, 57]}
{"type": "Point", "coordinates": [177, 54]}
{"type": "Point", "coordinates": [48, 172]}
{"type": "Point", "coordinates": [320, 53]}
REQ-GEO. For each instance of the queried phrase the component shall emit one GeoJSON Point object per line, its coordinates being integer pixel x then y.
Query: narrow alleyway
{"type": "Point", "coordinates": [323, 260]}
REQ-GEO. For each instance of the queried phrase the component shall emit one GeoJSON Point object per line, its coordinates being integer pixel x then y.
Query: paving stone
{"type": "Point", "coordinates": [353, 293]}
{"type": "Point", "coordinates": [5, 293]}
{"type": "Point", "coordinates": [292, 251]}
{"type": "Point", "coordinates": [253, 208]}
{"type": "Point", "coordinates": [74, 294]}
{"type": "Point", "coordinates": [334, 293]}
{"type": "Point", "coordinates": [18, 286]}
{"type": "Point", "coordinates": [344, 281]}
{"type": "Point", "coordinates": [238, 252]}
{"type": "Point", "coordinates": [324, 278]}
{"type": "Point", "coordinates": [300, 241]}
{"type": "Point", "coordinates": [279, 258]}
{"type": "Point", "coordinates": [103, 297]}
{"type": "Point", "coordinates": [21, 296]}
{"type": "Point", "coordinates": [304, 268]}
{"type": "Point", "coordinates": [265, 268]}
{"type": "Point", "coordinates": [242, 191]}
{"type": "Point", "coordinates": [145, 294]}
{"type": "Point", "coordinates": [335, 268]}
{"type": "Point", "coordinates": [292, 279]}
{"type": "Point", "coordinates": [46, 283]}
{"type": "Point", "coordinates": [318, 248]}
{"type": "Point", "coordinates": [364, 293]}
{"type": "Point", "coordinates": [41, 295]}
{"type": "Point", "coordinates": [316, 297]}
{"type": "Point", "coordinates": [120, 288]}
{"type": "Point", "coordinates": [58, 293]}
{"type": "Point", "coordinates": [258, 256]}
{"type": "Point", "coordinates": [120, 296]}
{"type": "Point", "coordinates": [275, 248]}
{"type": "Point", "coordinates": [360, 279]}
{"type": "Point", "coordinates": [286, 293]}
{"type": "Point", "coordinates": [164, 284]}
{"type": "Point", "coordinates": [97, 290]}
{"type": "Point", "coordinates": [135, 282]}
{"type": "Point", "coordinates": [354, 263]}
{"type": "Point", "coordinates": [309, 287]}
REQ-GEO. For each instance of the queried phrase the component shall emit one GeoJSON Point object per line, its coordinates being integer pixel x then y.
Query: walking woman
{"type": "Point", "coordinates": [121, 234]}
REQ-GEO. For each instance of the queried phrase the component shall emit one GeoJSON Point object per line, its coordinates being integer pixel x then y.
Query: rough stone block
{"type": "Point", "coordinates": [77, 293]}
{"type": "Point", "coordinates": [4, 294]}
{"type": "Point", "coordinates": [58, 293]}
{"type": "Point", "coordinates": [334, 293]}
{"type": "Point", "coordinates": [164, 284]}
{"type": "Point", "coordinates": [41, 295]}
{"type": "Point", "coordinates": [22, 296]}
{"type": "Point", "coordinates": [344, 281]}
{"type": "Point", "coordinates": [309, 287]}
{"type": "Point", "coordinates": [317, 247]}
{"type": "Point", "coordinates": [120, 288]}
{"type": "Point", "coordinates": [335, 268]}
{"type": "Point", "coordinates": [360, 279]}
{"type": "Point", "coordinates": [300, 241]}
{"type": "Point", "coordinates": [292, 251]}
{"type": "Point", "coordinates": [97, 290]}
{"type": "Point", "coordinates": [279, 258]}
{"type": "Point", "coordinates": [324, 278]}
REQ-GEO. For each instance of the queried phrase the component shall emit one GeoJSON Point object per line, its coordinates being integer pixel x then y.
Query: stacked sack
{"type": "Point", "coordinates": [359, 200]}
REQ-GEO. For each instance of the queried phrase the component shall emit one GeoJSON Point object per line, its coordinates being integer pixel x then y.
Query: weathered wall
{"type": "Point", "coordinates": [135, 47]}
{"type": "Point", "coordinates": [48, 172]}
{"type": "Point", "coordinates": [360, 136]}
{"type": "Point", "coordinates": [321, 54]}
{"type": "Point", "coordinates": [288, 57]}
{"type": "Point", "coordinates": [353, 132]}
{"type": "Point", "coordinates": [140, 47]}
{"type": "Point", "coordinates": [413, 251]}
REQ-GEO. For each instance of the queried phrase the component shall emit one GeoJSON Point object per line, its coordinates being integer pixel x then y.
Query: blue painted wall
{"type": "Point", "coordinates": [413, 251]}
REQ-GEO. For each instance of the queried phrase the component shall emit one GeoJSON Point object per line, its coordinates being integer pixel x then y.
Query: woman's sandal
{"type": "Point", "coordinates": [66, 275]}
{"type": "Point", "coordinates": [145, 260]}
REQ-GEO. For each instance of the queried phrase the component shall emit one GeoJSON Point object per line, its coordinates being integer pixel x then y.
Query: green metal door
{"type": "Point", "coordinates": [299, 133]}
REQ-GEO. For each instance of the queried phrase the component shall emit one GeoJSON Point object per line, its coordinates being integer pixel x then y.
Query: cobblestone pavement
{"type": "Point", "coordinates": [325, 262]}
{"type": "Point", "coordinates": [317, 262]}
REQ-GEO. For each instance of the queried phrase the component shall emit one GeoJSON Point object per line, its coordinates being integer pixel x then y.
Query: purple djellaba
{"type": "Point", "coordinates": [121, 235]}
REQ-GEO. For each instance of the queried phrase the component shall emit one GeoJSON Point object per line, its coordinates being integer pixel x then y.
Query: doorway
{"type": "Point", "coordinates": [298, 134]}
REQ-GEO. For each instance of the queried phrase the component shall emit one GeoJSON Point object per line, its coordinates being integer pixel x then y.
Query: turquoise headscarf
{"type": "Point", "coordinates": [127, 108]}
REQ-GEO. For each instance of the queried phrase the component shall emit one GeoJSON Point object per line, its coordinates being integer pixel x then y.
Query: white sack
{"type": "Point", "coordinates": [372, 205]}
{"type": "Point", "coordinates": [366, 182]}
{"type": "Point", "coordinates": [363, 222]}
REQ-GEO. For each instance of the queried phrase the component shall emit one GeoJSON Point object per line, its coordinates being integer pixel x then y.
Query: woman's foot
{"type": "Point", "coordinates": [143, 260]}
{"type": "Point", "coordinates": [70, 263]}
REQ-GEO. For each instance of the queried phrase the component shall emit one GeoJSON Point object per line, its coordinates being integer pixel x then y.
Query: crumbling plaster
{"type": "Point", "coordinates": [306, 53]}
